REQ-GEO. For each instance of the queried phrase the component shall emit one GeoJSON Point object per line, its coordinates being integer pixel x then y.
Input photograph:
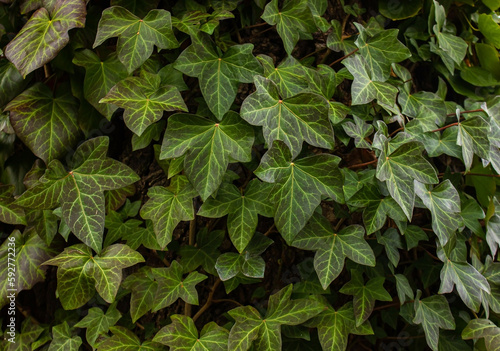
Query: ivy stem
{"type": "Point", "coordinates": [209, 300]}
{"type": "Point", "coordinates": [164, 260]}
{"type": "Point", "coordinates": [396, 131]}
{"type": "Point", "coordinates": [464, 112]}
{"type": "Point", "coordinates": [445, 127]}
{"type": "Point", "coordinates": [255, 25]}
{"type": "Point", "coordinates": [226, 300]}
{"type": "Point", "coordinates": [343, 57]}
{"type": "Point", "coordinates": [440, 175]}
{"type": "Point", "coordinates": [269, 231]}
{"type": "Point", "coordinates": [363, 164]}
{"type": "Point", "coordinates": [313, 53]}
{"type": "Point", "coordinates": [192, 232]}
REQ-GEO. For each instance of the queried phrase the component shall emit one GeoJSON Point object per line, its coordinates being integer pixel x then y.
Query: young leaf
{"type": "Point", "coordinates": [208, 147]}
{"type": "Point", "coordinates": [62, 339]}
{"type": "Point", "coordinates": [100, 77]}
{"type": "Point", "coordinates": [45, 34]}
{"type": "Point", "coordinates": [298, 185]}
{"type": "Point", "coordinates": [136, 36]}
{"type": "Point", "coordinates": [332, 248]}
{"type": "Point", "coordinates": [46, 124]}
{"type": "Point", "coordinates": [359, 130]}
{"type": "Point", "coordinates": [172, 286]}
{"type": "Point", "coordinates": [391, 240]}
{"type": "Point", "coordinates": [365, 295]}
{"type": "Point", "coordinates": [243, 209]}
{"type": "Point", "coordinates": [403, 287]}
{"type": "Point", "coordinates": [97, 323]}
{"type": "Point", "coordinates": [303, 117]}
{"type": "Point", "coordinates": [265, 332]}
{"type": "Point", "coordinates": [144, 101]}
{"type": "Point", "coordinates": [79, 272]}
{"type": "Point", "coordinates": [433, 313]}
{"type": "Point", "coordinates": [125, 340]}
{"type": "Point", "coordinates": [219, 75]}
{"type": "Point", "coordinates": [288, 75]}
{"type": "Point", "coordinates": [143, 287]}
{"type": "Point", "coordinates": [400, 168]}
{"type": "Point", "coordinates": [292, 19]}
{"type": "Point", "coordinates": [83, 200]}
{"type": "Point", "coordinates": [182, 335]}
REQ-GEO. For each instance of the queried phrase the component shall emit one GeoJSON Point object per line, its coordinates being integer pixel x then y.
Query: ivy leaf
{"type": "Point", "coordinates": [380, 51]}
{"type": "Point", "coordinates": [30, 332]}
{"type": "Point", "coordinates": [391, 240]}
{"type": "Point", "coordinates": [100, 77]}
{"type": "Point", "coordinates": [265, 332]}
{"type": "Point", "coordinates": [151, 133]}
{"type": "Point", "coordinates": [30, 253]}
{"type": "Point", "coordinates": [292, 19]}
{"type": "Point", "coordinates": [204, 253]}
{"type": "Point", "coordinates": [46, 124]}
{"type": "Point", "coordinates": [45, 34]}
{"type": "Point", "coordinates": [288, 75]}
{"type": "Point", "coordinates": [400, 168]}
{"type": "Point", "coordinates": [208, 147]}
{"type": "Point", "coordinates": [144, 101]}
{"type": "Point", "coordinates": [9, 212]}
{"type": "Point", "coordinates": [298, 186]}
{"type": "Point", "coordinates": [62, 339]}
{"type": "Point", "coordinates": [433, 313]}
{"type": "Point", "coordinates": [243, 209]}
{"type": "Point", "coordinates": [332, 248]}
{"type": "Point", "coordinates": [83, 200]}
{"type": "Point", "coordinates": [11, 82]}
{"type": "Point", "coordinates": [303, 117]}
{"type": "Point", "coordinates": [172, 286]}
{"type": "Point", "coordinates": [167, 207]}
{"type": "Point", "coordinates": [79, 272]}
{"type": "Point", "coordinates": [137, 7]}
{"type": "Point", "coordinates": [483, 328]}
{"type": "Point", "coordinates": [97, 323]}
{"type": "Point", "coordinates": [182, 335]}
{"type": "Point", "coordinates": [428, 108]}
{"type": "Point", "coordinates": [143, 287]}
{"type": "Point", "coordinates": [365, 88]}
{"type": "Point", "coordinates": [444, 203]}
{"type": "Point", "coordinates": [118, 228]}
{"type": "Point", "coordinates": [403, 287]}
{"type": "Point", "coordinates": [473, 138]}
{"type": "Point", "coordinates": [125, 340]}
{"type": "Point", "coordinates": [136, 36]}
{"type": "Point", "coordinates": [359, 130]}
{"type": "Point", "coordinates": [219, 75]}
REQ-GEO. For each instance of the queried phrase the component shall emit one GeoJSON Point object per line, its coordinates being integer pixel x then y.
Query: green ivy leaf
{"type": "Point", "coordinates": [11, 82]}
{"type": "Point", "coordinates": [433, 313]}
{"type": "Point", "coordinates": [359, 130]}
{"type": "Point", "coordinates": [97, 323]}
{"type": "Point", "coordinates": [62, 340]}
{"type": "Point", "coordinates": [292, 19]}
{"type": "Point", "coordinates": [171, 286]}
{"type": "Point", "coordinates": [444, 203]}
{"type": "Point", "coordinates": [125, 340]}
{"type": "Point", "coordinates": [303, 117]}
{"type": "Point", "coordinates": [143, 287]}
{"type": "Point", "coordinates": [473, 138]}
{"type": "Point", "coordinates": [208, 147]}
{"type": "Point", "coordinates": [365, 295]}
{"type": "Point", "coordinates": [153, 132]}
{"type": "Point", "coordinates": [46, 124]}
{"type": "Point", "coordinates": [182, 335]}
{"type": "Point", "coordinates": [136, 36]}
{"type": "Point", "coordinates": [100, 77]}
{"type": "Point", "coordinates": [298, 186]}
{"type": "Point", "coordinates": [428, 108]}
{"type": "Point", "coordinates": [144, 101]}
{"type": "Point", "coordinates": [243, 209]}
{"type": "Point", "coordinates": [30, 332]}
{"type": "Point", "coordinates": [399, 168]}
{"type": "Point", "coordinates": [45, 34]}
{"type": "Point", "coordinates": [265, 333]}
{"type": "Point", "coordinates": [10, 213]}
{"type": "Point", "coordinates": [79, 272]}
{"type": "Point", "coordinates": [288, 75]}
{"type": "Point", "coordinates": [483, 328]}
{"type": "Point", "coordinates": [204, 253]}
{"type": "Point", "coordinates": [332, 248]}
{"type": "Point", "coordinates": [219, 75]}
{"type": "Point", "coordinates": [403, 287]}
{"type": "Point", "coordinates": [391, 240]}
{"type": "Point", "coordinates": [137, 7]}
{"type": "Point", "coordinates": [83, 200]}
{"type": "Point", "coordinates": [30, 253]}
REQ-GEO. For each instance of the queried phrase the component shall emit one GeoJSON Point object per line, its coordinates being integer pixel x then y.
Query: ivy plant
{"type": "Point", "coordinates": [250, 175]}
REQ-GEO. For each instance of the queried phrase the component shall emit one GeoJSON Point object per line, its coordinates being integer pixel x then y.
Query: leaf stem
{"type": "Point", "coordinates": [226, 300]}
{"type": "Point", "coordinates": [440, 175]}
{"type": "Point", "coordinates": [192, 233]}
{"type": "Point", "coordinates": [363, 164]}
{"type": "Point", "coordinates": [445, 127]}
{"type": "Point", "coordinates": [209, 300]}
{"type": "Point", "coordinates": [343, 57]}
{"type": "Point", "coordinates": [464, 112]}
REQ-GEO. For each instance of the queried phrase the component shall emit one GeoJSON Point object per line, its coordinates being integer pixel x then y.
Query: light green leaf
{"type": "Point", "coordinates": [143, 287]}
{"type": "Point", "coordinates": [100, 77]}
{"type": "Point", "coordinates": [46, 124]}
{"type": "Point", "coordinates": [489, 28]}
{"type": "Point", "coordinates": [298, 186]}
{"type": "Point", "coordinates": [365, 295]}
{"type": "Point", "coordinates": [125, 340]}
{"type": "Point", "coordinates": [243, 209]}
{"type": "Point", "coordinates": [182, 335]}
{"type": "Point", "coordinates": [219, 75]}
{"type": "Point", "coordinates": [399, 168]}
{"type": "Point", "coordinates": [303, 117]}
{"type": "Point", "coordinates": [359, 130]}
{"type": "Point", "coordinates": [483, 328]}
{"type": "Point", "coordinates": [292, 19]}
{"type": "Point", "coordinates": [428, 108]}
{"type": "Point", "coordinates": [444, 203]}
{"type": "Point", "coordinates": [136, 36]}
{"type": "Point", "coordinates": [455, 47]}
{"type": "Point", "coordinates": [403, 287]}
{"type": "Point", "coordinates": [332, 248]}
{"type": "Point", "coordinates": [62, 340]}
{"type": "Point", "coordinates": [208, 147]}
{"type": "Point", "coordinates": [288, 75]}
{"type": "Point", "coordinates": [171, 286]}
{"type": "Point", "coordinates": [473, 138]}
{"type": "Point", "coordinates": [433, 313]}
{"type": "Point", "coordinates": [97, 323]}
{"type": "Point", "coordinates": [45, 34]}
{"type": "Point", "coordinates": [153, 132]}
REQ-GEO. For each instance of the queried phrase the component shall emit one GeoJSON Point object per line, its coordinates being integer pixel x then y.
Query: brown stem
{"type": "Point", "coordinates": [192, 233]}
{"type": "Point", "coordinates": [440, 175]}
{"type": "Point", "coordinates": [270, 230]}
{"type": "Point", "coordinates": [139, 325]}
{"type": "Point", "coordinates": [363, 164]}
{"type": "Point", "coordinates": [346, 56]}
{"type": "Point", "coordinates": [209, 300]}
{"type": "Point", "coordinates": [397, 130]}
{"type": "Point", "coordinates": [463, 112]}
{"type": "Point", "coordinates": [164, 260]}
{"type": "Point", "coordinates": [226, 300]}
{"type": "Point", "coordinates": [445, 127]}
{"type": "Point", "coordinates": [255, 25]}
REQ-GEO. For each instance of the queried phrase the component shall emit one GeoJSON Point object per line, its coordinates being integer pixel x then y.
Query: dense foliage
{"type": "Point", "coordinates": [250, 175]}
